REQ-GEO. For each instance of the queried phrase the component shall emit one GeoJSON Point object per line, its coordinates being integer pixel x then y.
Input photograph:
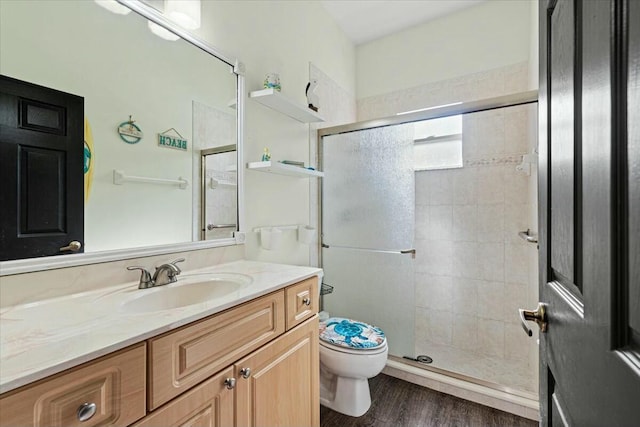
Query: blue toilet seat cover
{"type": "Point", "coordinates": [351, 333]}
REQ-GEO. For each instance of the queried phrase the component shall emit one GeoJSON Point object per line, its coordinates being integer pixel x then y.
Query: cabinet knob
{"type": "Point", "coordinates": [230, 383]}
{"type": "Point", "coordinates": [245, 372]}
{"type": "Point", "coordinates": [86, 411]}
{"type": "Point", "coordinates": [306, 301]}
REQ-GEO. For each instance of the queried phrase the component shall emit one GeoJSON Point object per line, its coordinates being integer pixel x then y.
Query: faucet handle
{"type": "Point", "coordinates": [174, 262]}
{"type": "Point", "coordinates": [145, 277]}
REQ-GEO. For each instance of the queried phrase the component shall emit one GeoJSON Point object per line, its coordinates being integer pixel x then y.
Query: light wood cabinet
{"type": "Point", "coordinates": [115, 384]}
{"type": "Point", "coordinates": [302, 301]}
{"type": "Point", "coordinates": [209, 404]}
{"type": "Point", "coordinates": [181, 359]}
{"type": "Point", "coordinates": [256, 364]}
{"type": "Point", "coordinates": [282, 388]}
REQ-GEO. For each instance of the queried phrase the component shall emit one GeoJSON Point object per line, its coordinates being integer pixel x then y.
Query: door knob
{"type": "Point", "coordinates": [73, 246]}
{"type": "Point", "coordinates": [230, 383]}
{"type": "Point", "coordinates": [539, 316]}
{"type": "Point", "coordinates": [245, 372]}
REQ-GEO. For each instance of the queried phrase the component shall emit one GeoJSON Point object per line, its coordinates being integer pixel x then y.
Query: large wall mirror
{"type": "Point", "coordinates": [175, 102]}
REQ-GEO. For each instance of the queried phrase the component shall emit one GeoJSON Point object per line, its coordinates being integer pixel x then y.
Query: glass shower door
{"type": "Point", "coordinates": [368, 214]}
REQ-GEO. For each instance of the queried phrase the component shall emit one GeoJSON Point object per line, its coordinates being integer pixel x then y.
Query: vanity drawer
{"type": "Point", "coordinates": [115, 384]}
{"type": "Point", "coordinates": [302, 301]}
{"type": "Point", "coordinates": [181, 359]}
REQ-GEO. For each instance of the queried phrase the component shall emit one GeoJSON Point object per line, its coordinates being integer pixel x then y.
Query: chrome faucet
{"type": "Point", "coordinates": [167, 273]}
{"type": "Point", "coordinates": [164, 274]}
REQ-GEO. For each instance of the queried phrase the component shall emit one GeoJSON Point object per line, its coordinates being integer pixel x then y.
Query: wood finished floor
{"type": "Point", "coordinates": [397, 403]}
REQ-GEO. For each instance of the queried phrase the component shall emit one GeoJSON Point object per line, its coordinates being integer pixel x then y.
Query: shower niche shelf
{"type": "Point", "coordinates": [276, 101]}
{"type": "Point", "coordinates": [282, 169]}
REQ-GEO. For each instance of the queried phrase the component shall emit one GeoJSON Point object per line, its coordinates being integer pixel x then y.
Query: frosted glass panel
{"type": "Point", "coordinates": [368, 214]}
{"type": "Point", "coordinates": [375, 288]}
{"type": "Point", "coordinates": [368, 188]}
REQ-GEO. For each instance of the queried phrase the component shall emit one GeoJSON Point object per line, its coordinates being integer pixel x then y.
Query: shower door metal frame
{"type": "Point", "coordinates": [512, 100]}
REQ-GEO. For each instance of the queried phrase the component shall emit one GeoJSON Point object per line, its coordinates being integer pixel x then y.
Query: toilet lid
{"type": "Point", "coordinates": [351, 334]}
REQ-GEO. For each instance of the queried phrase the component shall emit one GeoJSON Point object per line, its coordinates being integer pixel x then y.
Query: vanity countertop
{"type": "Point", "coordinates": [47, 337]}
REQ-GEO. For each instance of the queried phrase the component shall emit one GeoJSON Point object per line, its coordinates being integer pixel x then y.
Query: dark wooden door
{"type": "Point", "coordinates": [589, 145]}
{"type": "Point", "coordinates": [41, 170]}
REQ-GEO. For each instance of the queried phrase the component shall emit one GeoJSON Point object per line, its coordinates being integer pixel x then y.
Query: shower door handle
{"type": "Point", "coordinates": [409, 251]}
{"type": "Point", "coordinates": [538, 315]}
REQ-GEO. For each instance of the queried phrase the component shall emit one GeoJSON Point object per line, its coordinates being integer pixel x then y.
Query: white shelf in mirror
{"type": "Point", "coordinates": [282, 169]}
{"type": "Point", "coordinates": [275, 100]}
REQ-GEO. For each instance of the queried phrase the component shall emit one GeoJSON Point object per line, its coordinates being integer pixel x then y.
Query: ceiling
{"type": "Point", "coordinates": [366, 20]}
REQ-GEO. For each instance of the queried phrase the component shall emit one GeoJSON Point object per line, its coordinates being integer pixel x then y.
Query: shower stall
{"type": "Point", "coordinates": [420, 222]}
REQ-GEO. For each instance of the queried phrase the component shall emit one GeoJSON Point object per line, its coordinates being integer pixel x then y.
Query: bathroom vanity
{"type": "Point", "coordinates": [248, 358]}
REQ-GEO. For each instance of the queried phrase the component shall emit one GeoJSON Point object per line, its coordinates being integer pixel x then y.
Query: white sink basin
{"type": "Point", "coordinates": [188, 290]}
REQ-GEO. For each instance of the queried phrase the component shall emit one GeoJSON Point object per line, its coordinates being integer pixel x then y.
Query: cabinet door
{"type": "Point", "coordinates": [282, 388]}
{"type": "Point", "coordinates": [208, 405]}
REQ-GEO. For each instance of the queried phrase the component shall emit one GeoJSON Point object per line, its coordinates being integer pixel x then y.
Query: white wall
{"type": "Point", "coordinates": [282, 37]}
{"type": "Point", "coordinates": [491, 35]}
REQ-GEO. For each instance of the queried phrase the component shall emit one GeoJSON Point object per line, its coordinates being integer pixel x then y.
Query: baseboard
{"type": "Point", "coordinates": [519, 404]}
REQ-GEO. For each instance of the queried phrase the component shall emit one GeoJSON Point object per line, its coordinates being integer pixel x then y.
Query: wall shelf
{"type": "Point", "coordinates": [275, 100]}
{"type": "Point", "coordinates": [282, 169]}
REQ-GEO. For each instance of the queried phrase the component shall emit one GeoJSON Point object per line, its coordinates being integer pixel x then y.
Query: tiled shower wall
{"type": "Point", "coordinates": [472, 271]}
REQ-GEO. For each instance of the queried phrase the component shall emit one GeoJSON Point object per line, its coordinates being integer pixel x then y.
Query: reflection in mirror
{"type": "Point", "coordinates": [127, 77]}
{"type": "Point", "coordinates": [219, 213]}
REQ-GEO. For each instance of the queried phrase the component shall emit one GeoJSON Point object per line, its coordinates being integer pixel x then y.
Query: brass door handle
{"type": "Point", "coordinates": [539, 316]}
{"type": "Point", "coordinates": [73, 246]}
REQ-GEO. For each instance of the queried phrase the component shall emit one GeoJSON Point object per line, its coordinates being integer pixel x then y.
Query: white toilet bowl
{"type": "Point", "coordinates": [345, 369]}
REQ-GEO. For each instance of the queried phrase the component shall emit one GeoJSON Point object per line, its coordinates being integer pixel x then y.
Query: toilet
{"type": "Point", "coordinates": [351, 352]}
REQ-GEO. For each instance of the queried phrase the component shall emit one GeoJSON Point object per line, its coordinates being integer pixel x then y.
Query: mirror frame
{"type": "Point", "coordinates": [30, 265]}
